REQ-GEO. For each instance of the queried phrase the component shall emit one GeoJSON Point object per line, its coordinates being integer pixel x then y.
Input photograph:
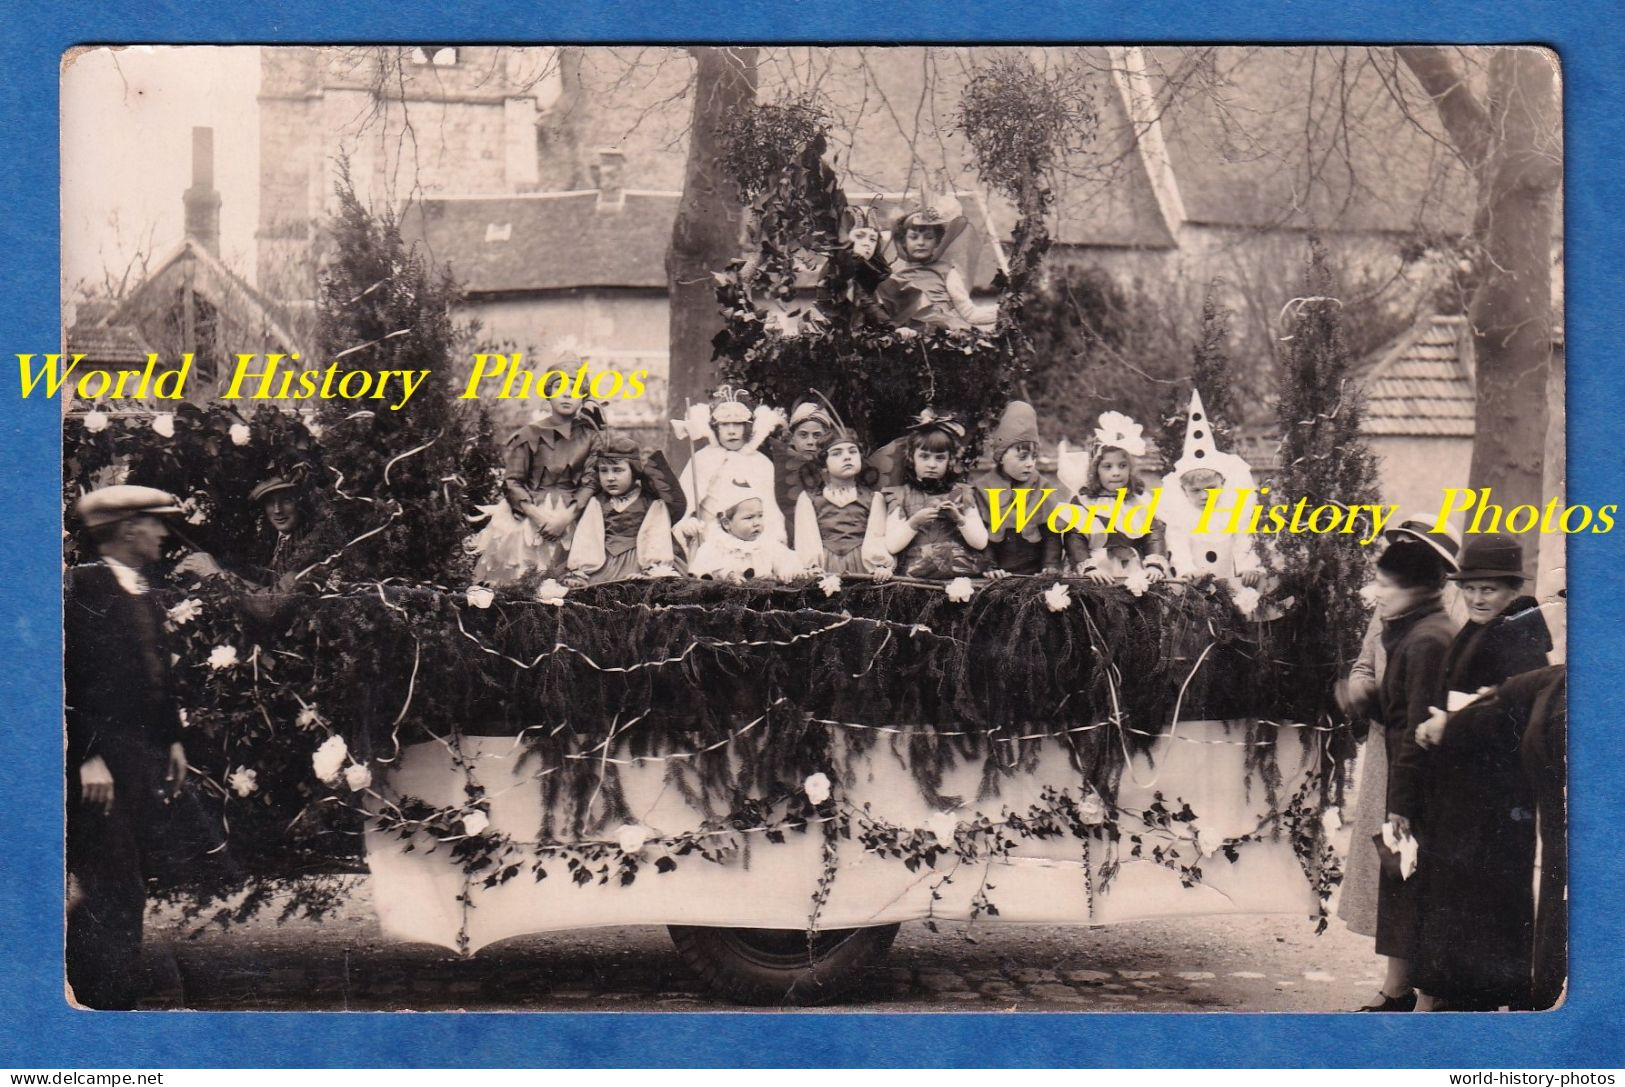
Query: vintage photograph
{"type": "Point", "coordinates": [693, 528]}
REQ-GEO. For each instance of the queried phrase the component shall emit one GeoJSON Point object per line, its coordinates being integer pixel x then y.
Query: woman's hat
{"type": "Point", "coordinates": [1444, 540]}
{"type": "Point", "coordinates": [1491, 555]}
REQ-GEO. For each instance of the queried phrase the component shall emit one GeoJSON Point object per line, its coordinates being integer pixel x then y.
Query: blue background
{"type": "Point", "coordinates": [38, 1029]}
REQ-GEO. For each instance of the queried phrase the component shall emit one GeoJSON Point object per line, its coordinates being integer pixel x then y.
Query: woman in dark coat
{"type": "Point", "coordinates": [1471, 803]}
{"type": "Point", "coordinates": [1416, 633]}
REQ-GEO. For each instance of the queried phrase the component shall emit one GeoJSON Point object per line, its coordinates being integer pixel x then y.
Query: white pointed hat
{"type": "Point", "coordinates": [1201, 451]}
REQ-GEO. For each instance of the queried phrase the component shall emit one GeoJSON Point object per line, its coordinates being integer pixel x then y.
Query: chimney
{"type": "Point", "coordinates": [611, 170]}
{"type": "Point", "coordinates": [201, 200]}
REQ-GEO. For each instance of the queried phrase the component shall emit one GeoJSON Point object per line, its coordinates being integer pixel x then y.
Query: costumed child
{"type": "Point", "coordinates": [548, 478]}
{"type": "Point", "coordinates": [852, 277]}
{"type": "Point", "coordinates": [734, 433]}
{"type": "Point", "coordinates": [793, 455]}
{"type": "Point", "coordinates": [932, 524]}
{"type": "Point", "coordinates": [922, 236]}
{"type": "Point", "coordinates": [840, 521]}
{"type": "Point", "coordinates": [625, 531]}
{"type": "Point", "coordinates": [1014, 548]}
{"type": "Point", "coordinates": [1201, 469]}
{"type": "Point", "coordinates": [737, 546]}
{"type": "Point", "coordinates": [1124, 538]}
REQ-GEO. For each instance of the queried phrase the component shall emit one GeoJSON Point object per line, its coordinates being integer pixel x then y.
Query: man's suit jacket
{"type": "Point", "coordinates": [119, 691]}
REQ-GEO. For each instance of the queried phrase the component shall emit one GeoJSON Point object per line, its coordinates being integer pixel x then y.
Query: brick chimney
{"type": "Point", "coordinates": [611, 179]}
{"type": "Point", "coordinates": [201, 200]}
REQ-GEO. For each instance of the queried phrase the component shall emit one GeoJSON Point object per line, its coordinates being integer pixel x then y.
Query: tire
{"type": "Point", "coordinates": [772, 966]}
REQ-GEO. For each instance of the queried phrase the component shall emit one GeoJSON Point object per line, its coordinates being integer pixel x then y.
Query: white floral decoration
{"type": "Point", "coordinates": [222, 656]}
{"type": "Point", "coordinates": [185, 612]}
{"type": "Point", "coordinates": [1118, 431]}
{"type": "Point", "coordinates": [239, 434]}
{"type": "Point", "coordinates": [1057, 598]}
{"type": "Point", "coordinates": [1368, 594]}
{"type": "Point", "coordinates": [480, 597]}
{"type": "Point", "coordinates": [308, 717]}
{"type": "Point", "coordinates": [328, 760]}
{"type": "Point", "coordinates": [95, 421]}
{"type": "Point", "coordinates": [314, 428]}
{"type": "Point", "coordinates": [475, 822]}
{"type": "Point", "coordinates": [243, 781]}
{"type": "Point", "coordinates": [1331, 820]}
{"type": "Point", "coordinates": [1091, 809]}
{"type": "Point", "coordinates": [164, 424]}
{"type": "Point", "coordinates": [817, 788]}
{"type": "Point", "coordinates": [551, 592]}
{"type": "Point", "coordinates": [959, 590]}
{"type": "Point", "coordinates": [830, 584]}
{"type": "Point", "coordinates": [662, 569]}
{"type": "Point", "coordinates": [186, 721]}
{"type": "Point", "coordinates": [1246, 599]}
{"type": "Point", "coordinates": [631, 837]}
{"type": "Point", "coordinates": [357, 776]}
{"type": "Point", "coordinates": [1137, 582]}
{"type": "Point", "coordinates": [942, 824]}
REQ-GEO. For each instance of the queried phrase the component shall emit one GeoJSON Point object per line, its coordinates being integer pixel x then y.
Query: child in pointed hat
{"type": "Point", "coordinates": [626, 530]}
{"type": "Point", "coordinates": [1012, 487]}
{"type": "Point", "coordinates": [1200, 470]}
{"type": "Point", "coordinates": [1124, 538]}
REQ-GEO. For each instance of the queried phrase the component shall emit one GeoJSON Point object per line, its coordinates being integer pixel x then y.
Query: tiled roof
{"type": "Point", "coordinates": [559, 241]}
{"type": "Point", "coordinates": [1424, 386]}
{"type": "Point", "coordinates": [108, 343]}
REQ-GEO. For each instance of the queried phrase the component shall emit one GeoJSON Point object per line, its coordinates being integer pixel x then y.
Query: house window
{"type": "Point", "coordinates": [438, 56]}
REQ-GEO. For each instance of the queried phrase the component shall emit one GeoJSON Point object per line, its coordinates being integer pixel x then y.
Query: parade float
{"type": "Point", "coordinates": [781, 772]}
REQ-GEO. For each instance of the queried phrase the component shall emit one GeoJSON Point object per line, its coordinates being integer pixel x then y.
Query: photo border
{"type": "Point", "coordinates": [42, 1031]}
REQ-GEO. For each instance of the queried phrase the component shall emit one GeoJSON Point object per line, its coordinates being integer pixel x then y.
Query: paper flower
{"type": "Point", "coordinates": [1091, 809]}
{"type": "Point", "coordinates": [1246, 599]}
{"type": "Point", "coordinates": [631, 837]}
{"type": "Point", "coordinates": [942, 824]}
{"type": "Point", "coordinates": [480, 597]}
{"type": "Point", "coordinates": [817, 788]}
{"type": "Point", "coordinates": [186, 721]}
{"type": "Point", "coordinates": [328, 760]}
{"type": "Point", "coordinates": [164, 424]}
{"type": "Point", "coordinates": [195, 513]}
{"type": "Point", "coordinates": [475, 822]}
{"type": "Point", "coordinates": [1331, 820]}
{"type": "Point", "coordinates": [1118, 431]}
{"type": "Point", "coordinates": [662, 569]}
{"type": "Point", "coordinates": [222, 656]}
{"type": "Point", "coordinates": [314, 428]}
{"type": "Point", "coordinates": [959, 590]}
{"type": "Point", "coordinates": [1056, 597]}
{"type": "Point", "coordinates": [239, 434]}
{"type": "Point", "coordinates": [830, 584]}
{"type": "Point", "coordinates": [357, 776]}
{"type": "Point", "coordinates": [185, 612]}
{"type": "Point", "coordinates": [1368, 594]}
{"type": "Point", "coordinates": [308, 717]}
{"type": "Point", "coordinates": [243, 781]}
{"type": "Point", "coordinates": [1137, 582]}
{"type": "Point", "coordinates": [551, 592]}
{"type": "Point", "coordinates": [95, 421]}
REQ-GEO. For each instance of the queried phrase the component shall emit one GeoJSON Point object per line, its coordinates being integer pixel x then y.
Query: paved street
{"type": "Point", "coordinates": [1206, 964]}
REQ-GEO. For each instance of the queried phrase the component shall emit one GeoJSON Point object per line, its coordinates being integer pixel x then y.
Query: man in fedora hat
{"type": "Point", "coordinates": [124, 738]}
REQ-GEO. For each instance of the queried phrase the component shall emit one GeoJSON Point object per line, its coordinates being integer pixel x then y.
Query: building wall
{"type": "Point", "coordinates": [1413, 472]}
{"type": "Point", "coordinates": [621, 330]}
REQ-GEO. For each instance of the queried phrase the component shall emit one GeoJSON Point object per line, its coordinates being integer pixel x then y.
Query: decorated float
{"type": "Point", "coordinates": [783, 772]}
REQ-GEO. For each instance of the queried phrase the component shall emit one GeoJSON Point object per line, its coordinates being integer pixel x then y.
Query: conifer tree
{"type": "Point", "coordinates": [1323, 459]}
{"type": "Point", "coordinates": [412, 474]}
{"type": "Point", "coordinates": [1211, 376]}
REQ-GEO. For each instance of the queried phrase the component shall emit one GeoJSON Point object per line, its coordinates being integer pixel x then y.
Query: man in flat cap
{"type": "Point", "coordinates": [264, 593]}
{"type": "Point", "coordinates": [124, 738]}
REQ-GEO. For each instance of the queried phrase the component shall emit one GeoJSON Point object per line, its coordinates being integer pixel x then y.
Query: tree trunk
{"type": "Point", "coordinates": [1512, 145]}
{"type": "Point", "coordinates": [707, 232]}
